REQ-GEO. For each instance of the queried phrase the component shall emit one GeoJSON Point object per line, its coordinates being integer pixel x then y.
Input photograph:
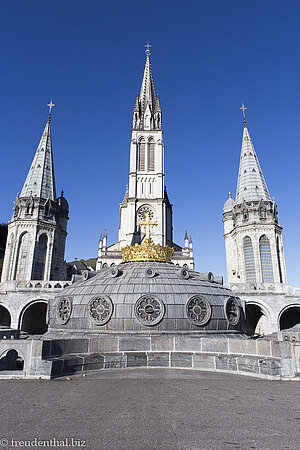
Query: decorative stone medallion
{"type": "Point", "coordinates": [100, 309]}
{"type": "Point", "coordinates": [63, 310]}
{"type": "Point", "coordinates": [149, 310]}
{"type": "Point", "coordinates": [198, 310]}
{"type": "Point", "coordinates": [233, 312]}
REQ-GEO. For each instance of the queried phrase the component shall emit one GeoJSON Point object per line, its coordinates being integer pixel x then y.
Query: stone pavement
{"type": "Point", "coordinates": [151, 409]}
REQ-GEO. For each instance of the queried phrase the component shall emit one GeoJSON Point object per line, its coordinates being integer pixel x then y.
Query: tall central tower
{"type": "Point", "coordinates": [146, 191]}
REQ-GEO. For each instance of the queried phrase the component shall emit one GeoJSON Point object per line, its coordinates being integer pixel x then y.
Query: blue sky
{"type": "Point", "coordinates": [207, 57]}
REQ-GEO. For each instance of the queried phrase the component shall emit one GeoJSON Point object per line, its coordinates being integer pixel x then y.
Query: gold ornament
{"type": "Point", "coordinates": [147, 251]}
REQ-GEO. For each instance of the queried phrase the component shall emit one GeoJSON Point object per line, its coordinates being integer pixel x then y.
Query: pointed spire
{"type": "Point", "coordinates": [40, 181]}
{"type": "Point", "coordinates": [147, 93]}
{"type": "Point", "coordinates": [147, 110]}
{"type": "Point", "coordinates": [251, 184]}
{"type": "Point", "coordinates": [186, 236]}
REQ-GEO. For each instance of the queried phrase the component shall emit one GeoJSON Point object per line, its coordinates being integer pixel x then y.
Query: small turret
{"type": "Point", "coordinates": [186, 240]}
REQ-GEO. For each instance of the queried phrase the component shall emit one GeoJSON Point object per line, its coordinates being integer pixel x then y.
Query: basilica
{"type": "Point", "coordinates": [37, 299]}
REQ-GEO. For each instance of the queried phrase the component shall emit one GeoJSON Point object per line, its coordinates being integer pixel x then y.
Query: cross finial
{"type": "Point", "coordinates": [51, 104]}
{"type": "Point", "coordinates": [243, 108]}
{"type": "Point", "coordinates": [148, 51]}
{"type": "Point", "coordinates": [147, 223]}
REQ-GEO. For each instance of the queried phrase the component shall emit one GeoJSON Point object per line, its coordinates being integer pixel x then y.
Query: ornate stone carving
{"type": "Point", "coordinates": [63, 310]}
{"type": "Point", "coordinates": [100, 309]}
{"type": "Point", "coordinates": [198, 310]}
{"type": "Point", "coordinates": [233, 312]}
{"type": "Point", "coordinates": [149, 310]}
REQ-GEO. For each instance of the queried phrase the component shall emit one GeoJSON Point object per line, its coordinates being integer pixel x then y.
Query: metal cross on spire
{"type": "Point", "coordinates": [243, 108]}
{"type": "Point", "coordinates": [148, 51]}
{"type": "Point", "coordinates": [51, 104]}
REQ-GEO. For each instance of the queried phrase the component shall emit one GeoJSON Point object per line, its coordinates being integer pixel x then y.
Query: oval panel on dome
{"type": "Point", "coordinates": [149, 309]}
{"type": "Point", "coordinates": [232, 309]}
{"type": "Point", "coordinates": [198, 310]}
{"type": "Point", "coordinates": [100, 309]}
{"type": "Point", "coordinates": [185, 273]}
{"type": "Point", "coordinates": [149, 272]}
{"type": "Point", "coordinates": [63, 310]}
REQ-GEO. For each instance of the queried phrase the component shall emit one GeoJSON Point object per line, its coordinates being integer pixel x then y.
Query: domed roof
{"type": "Point", "coordinates": [139, 296]}
{"type": "Point", "coordinates": [62, 203]}
{"type": "Point", "coordinates": [229, 204]}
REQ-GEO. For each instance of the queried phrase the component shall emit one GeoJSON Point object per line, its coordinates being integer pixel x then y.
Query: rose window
{"type": "Point", "coordinates": [149, 310]}
{"type": "Point", "coordinates": [142, 213]}
{"type": "Point", "coordinates": [198, 310]}
{"type": "Point", "coordinates": [100, 309]}
{"type": "Point", "coordinates": [64, 309]}
{"type": "Point", "coordinates": [233, 311]}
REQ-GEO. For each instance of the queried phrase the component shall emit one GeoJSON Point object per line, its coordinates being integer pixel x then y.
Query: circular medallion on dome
{"type": "Point", "coordinates": [198, 310]}
{"type": "Point", "coordinates": [63, 310]}
{"type": "Point", "coordinates": [233, 312]}
{"type": "Point", "coordinates": [100, 309]}
{"type": "Point", "coordinates": [141, 214]}
{"type": "Point", "coordinates": [149, 310]}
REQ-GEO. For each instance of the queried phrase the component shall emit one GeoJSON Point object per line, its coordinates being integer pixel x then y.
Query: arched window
{"type": "Point", "coordinates": [22, 257]}
{"type": "Point", "coordinates": [266, 260]}
{"type": "Point", "coordinates": [278, 258]}
{"type": "Point", "coordinates": [8, 254]}
{"type": "Point", "coordinates": [141, 155]}
{"type": "Point", "coordinates": [249, 261]}
{"type": "Point", "coordinates": [40, 258]}
{"type": "Point", "coordinates": [151, 156]}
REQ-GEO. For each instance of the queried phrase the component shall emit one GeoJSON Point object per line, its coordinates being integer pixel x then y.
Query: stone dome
{"type": "Point", "coordinates": [146, 296]}
{"type": "Point", "coordinates": [62, 203]}
{"type": "Point", "coordinates": [229, 204]}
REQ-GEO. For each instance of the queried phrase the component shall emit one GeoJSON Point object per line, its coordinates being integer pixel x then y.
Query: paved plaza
{"type": "Point", "coordinates": [151, 409]}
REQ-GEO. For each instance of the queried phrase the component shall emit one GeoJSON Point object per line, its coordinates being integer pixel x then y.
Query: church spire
{"type": "Point", "coordinates": [147, 110]}
{"type": "Point", "coordinates": [251, 183]}
{"type": "Point", "coordinates": [40, 181]}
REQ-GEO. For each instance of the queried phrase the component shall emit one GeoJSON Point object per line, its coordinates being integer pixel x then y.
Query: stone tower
{"type": "Point", "coordinates": [253, 236]}
{"type": "Point", "coordinates": [38, 229]}
{"type": "Point", "coordinates": [146, 191]}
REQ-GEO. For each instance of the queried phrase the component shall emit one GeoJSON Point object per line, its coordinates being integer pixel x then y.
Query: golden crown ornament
{"type": "Point", "coordinates": [147, 251]}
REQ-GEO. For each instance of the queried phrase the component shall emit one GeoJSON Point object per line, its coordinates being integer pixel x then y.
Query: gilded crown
{"type": "Point", "coordinates": [147, 251]}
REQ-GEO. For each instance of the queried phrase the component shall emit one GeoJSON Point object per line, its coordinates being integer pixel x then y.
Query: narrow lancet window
{"type": "Point", "coordinates": [151, 157]}
{"type": "Point", "coordinates": [142, 154]}
{"type": "Point", "coordinates": [266, 260]}
{"type": "Point", "coordinates": [249, 261]}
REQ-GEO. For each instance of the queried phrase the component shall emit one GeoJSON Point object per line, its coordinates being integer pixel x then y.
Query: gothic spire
{"type": "Point", "coordinates": [251, 184]}
{"type": "Point", "coordinates": [40, 181]}
{"type": "Point", "coordinates": [147, 110]}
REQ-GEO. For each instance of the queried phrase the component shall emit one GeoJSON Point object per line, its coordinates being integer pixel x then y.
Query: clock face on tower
{"type": "Point", "coordinates": [141, 213]}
